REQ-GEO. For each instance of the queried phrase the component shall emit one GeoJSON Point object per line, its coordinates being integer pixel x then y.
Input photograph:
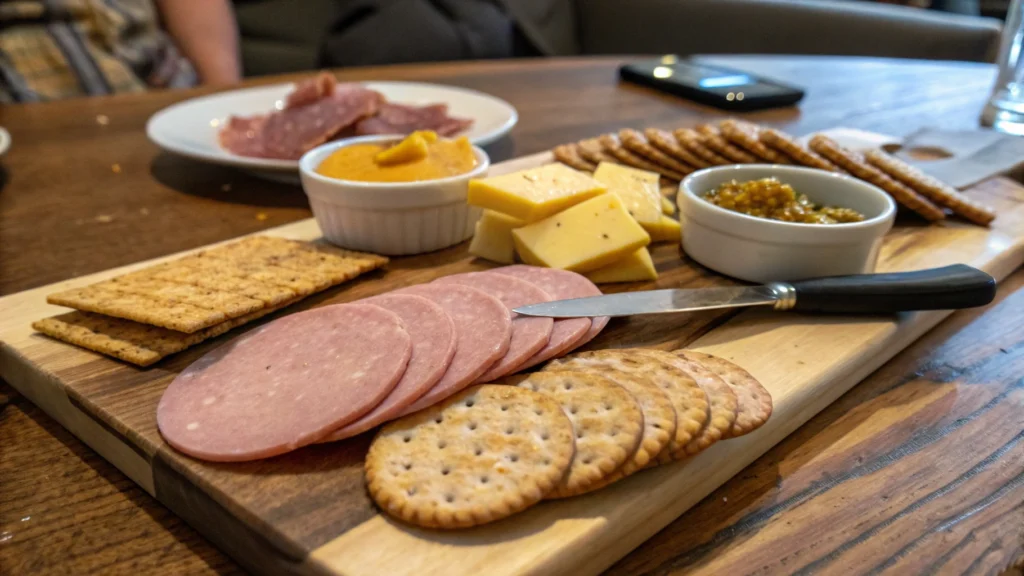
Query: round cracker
{"type": "Point", "coordinates": [789, 146]}
{"type": "Point", "coordinates": [569, 154]}
{"type": "Point", "coordinates": [605, 417]}
{"type": "Point", "coordinates": [479, 456]}
{"type": "Point", "coordinates": [659, 421]}
{"type": "Point", "coordinates": [693, 141]}
{"type": "Point", "coordinates": [745, 135]}
{"type": "Point", "coordinates": [722, 400]}
{"type": "Point", "coordinates": [688, 398]}
{"type": "Point", "coordinates": [754, 402]}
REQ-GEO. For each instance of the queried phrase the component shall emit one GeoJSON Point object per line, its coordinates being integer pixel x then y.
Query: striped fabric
{"type": "Point", "coordinates": [54, 49]}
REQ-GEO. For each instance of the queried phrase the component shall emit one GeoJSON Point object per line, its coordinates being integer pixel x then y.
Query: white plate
{"type": "Point", "coordinates": [190, 128]}
{"type": "Point", "coordinates": [5, 141]}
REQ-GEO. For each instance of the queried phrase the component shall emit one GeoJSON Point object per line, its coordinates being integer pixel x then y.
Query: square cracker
{"type": "Point", "coordinates": [231, 304]}
{"type": "Point", "coordinates": [134, 342]}
{"type": "Point", "coordinates": [270, 294]}
{"type": "Point", "coordinates": [140, 308]}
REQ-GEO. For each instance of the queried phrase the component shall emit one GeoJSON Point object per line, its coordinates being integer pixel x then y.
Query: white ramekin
{"type": "Point", "coordinates": [763, 250]}
{"type": "Point", "coordinates": [390, 218]}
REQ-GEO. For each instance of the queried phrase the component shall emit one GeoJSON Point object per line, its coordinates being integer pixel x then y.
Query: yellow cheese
{"type": "Point", "coordinates": [638, 189]}
{"type": "Point", "coordinates": [666, 230]}
{"type": "Point", "coordinates": [534, 194]}
{"type": "Point", "coordinates": [493, 237]}
{"type": "Point", "coordinates": [585, 237]}
{"type": "Point", "coordinates": [635, 267]}
{"type": "Point", "coordinates": [667, 207]}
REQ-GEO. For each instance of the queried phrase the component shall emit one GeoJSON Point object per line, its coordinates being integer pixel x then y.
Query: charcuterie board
{"type": "Point", "coordinates": [307, 512]}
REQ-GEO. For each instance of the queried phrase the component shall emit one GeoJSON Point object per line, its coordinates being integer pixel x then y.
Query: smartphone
{"type": "Point", "coordinates": [711, 85]}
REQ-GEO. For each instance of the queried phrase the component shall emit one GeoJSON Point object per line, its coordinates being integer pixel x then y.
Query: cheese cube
{"type": "Point", "coordinates": [638, 189]}
{"type": "Point", "coordinates": [534, 194]}
{"type": "Point", "coordinates": [585, 237]}
{"type": "Point", "coordinates": [667, 207]}
{"type": "Point", "coordinates": [635, 267]}
{"type": "Point", "coordinates": [666, 230]}
{"type": "Point", "coordinates": [493, 237]}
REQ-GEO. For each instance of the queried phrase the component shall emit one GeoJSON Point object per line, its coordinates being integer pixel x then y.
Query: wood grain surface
{"type": "Point", "coordinates": [42, 194]}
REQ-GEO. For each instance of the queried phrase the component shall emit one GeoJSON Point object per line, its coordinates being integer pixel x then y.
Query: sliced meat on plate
{"type": "Point", "coordinates": [561, 285]}
{"type": "Point", "coordinates": [529, 334]}
{"type": "Point", "coordinates": [244, 136]}
{"type": "Point", "coordinates": [309, 91]}
{"type": "Point", "coordinates": [402, 119]}
{"type": "Point", "coordinates": [483, 328]}
{"type": "Point", "coordinates": [433, 345]}
{"type": "Point", "coordinates": [286, 384]}
{"type": "Point", "coordinates": [290, 133]}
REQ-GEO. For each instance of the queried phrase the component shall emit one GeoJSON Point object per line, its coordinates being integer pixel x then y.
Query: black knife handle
{"type": "Point", "coordinates": [948, 288]}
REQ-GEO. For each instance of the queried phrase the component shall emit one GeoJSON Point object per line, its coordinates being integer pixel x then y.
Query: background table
{"type": "Point", "coordinates": [920, 467]}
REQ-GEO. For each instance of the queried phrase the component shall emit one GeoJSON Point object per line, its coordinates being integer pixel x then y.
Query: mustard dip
{"type": "Point", "coordinates": [420, 156]}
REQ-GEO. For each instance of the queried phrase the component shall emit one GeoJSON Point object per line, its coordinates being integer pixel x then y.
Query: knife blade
{"type": "Point", "coordinates": [948, 288]}
{"type": "Point", "coordinates": [655, 302]}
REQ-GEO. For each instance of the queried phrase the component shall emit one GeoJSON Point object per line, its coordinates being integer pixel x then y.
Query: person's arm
{"type": "Point", "coordinates": [206, 32]}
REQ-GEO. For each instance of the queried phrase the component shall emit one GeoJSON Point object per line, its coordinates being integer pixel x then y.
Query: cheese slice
{"type": "Point", "coordinates": [585, 237]}
{"type": "Point", "coordinates": [638, 189]}
{"type": "Point", "coordinates": [493, 237]}
{"type": "Point", "coordinates": [666, 230]}
{"type": "Point", "coordinates": [636, 267]}
{"type": "Point", "coordinates": [534, 194]}
{"type": "Point", "coordinates": [667, 207]}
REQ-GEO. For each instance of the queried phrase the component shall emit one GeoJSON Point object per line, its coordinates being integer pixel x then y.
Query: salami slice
{"type": "Point", "coordinates": [529, 334]}
{"type": "Point", "coordinates": [308, 91]}
{"type": "Point", "coordinates": [288, 134]}
{"type": "Point", "coordinates": [286, 384]}
{"type": "Point", "coordinates": [433, 345]}
{"type": "Point", "coordinates": [561, 285]}
{"type": "Point", "coordinates": [483, 329]}
{"type": "Point", "coordinates": [403, 119]}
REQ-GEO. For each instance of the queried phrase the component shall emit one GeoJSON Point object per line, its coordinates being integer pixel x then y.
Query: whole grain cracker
{"type": "Point", "coordinates": [637, 143]}
{"type": "Point", "coordinates": [856, 165]}
{"type": "Point", "coordinates": [270, 294]}
{"type": "Point", "coordinates": [931, 188]}
{"type": "Point", "coordinates": [694, 141]}
{"type": "Point", "coordinates": [479, 456]}
{"type": "Point", "coordinates": [611, 145]}
{"type": "Point", "coordinates": [791, 147]}
{"type": "Point", "coordinates": [592, 151]}
{"type": "Point", "coordinates": [606, 418]}
{"type": "Point", "coordinates": [667, 143]}
{"type": "Point", "coordinates": [230, 303]}
{"type": "Point", "coordinates": [140, 308]}
{"type": "Point", "coordinates": [721, 398]}
{"type": "Point", "coordinates": [659, 420]}
{"type": "Point", "coordinates": [569, 154]}
{"type": "Point", "coordinates": [134, 342]}
{"type": "Point", "coordinates": [299, 282]}
{"type": "Point", "coordinates": [688, 399]}
{"type": "Point", "coordinates": [754, 402]}
{"type": "Point", "coordinates": [746, 136]}
{"type": "Point", "coordinates": [713, 139]}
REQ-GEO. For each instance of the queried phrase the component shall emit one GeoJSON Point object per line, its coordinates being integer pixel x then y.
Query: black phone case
{"type": "Point", "coordinates": [630, 74]}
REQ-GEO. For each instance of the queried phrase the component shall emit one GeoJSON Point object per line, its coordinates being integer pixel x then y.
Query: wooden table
{"type": "Point", "coordinates": [919, 468]}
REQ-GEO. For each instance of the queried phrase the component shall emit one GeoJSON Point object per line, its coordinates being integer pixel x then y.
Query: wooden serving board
{"type": "Point", "coordinates": [307, 512]}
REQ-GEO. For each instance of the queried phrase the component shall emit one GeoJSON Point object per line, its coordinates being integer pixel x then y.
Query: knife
{"type": "Point", "coordinates": [948, 288]}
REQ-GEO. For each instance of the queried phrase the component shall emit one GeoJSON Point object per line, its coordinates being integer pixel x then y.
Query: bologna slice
{"type": "Point", "coordinates": [286, 384]}
{"type": "Point", "coordinates": [561, 285]}
{"type": "Point", "coordinates": [483, 328]}
{"type": "Point", "coordinates": [432, 332]}
{"type": "Point", "coordinates": [529, 334]}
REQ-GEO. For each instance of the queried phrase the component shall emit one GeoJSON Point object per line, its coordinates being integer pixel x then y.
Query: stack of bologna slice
{"type": "Point", "coordinates": [333, 372]}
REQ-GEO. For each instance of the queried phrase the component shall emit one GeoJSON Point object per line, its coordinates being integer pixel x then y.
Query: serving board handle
{"type": "Point", "coordinates": [947, 288]}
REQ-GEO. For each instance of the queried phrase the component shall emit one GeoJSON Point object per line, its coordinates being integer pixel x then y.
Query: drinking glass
{"type": "Point", "coordinates": [1005, 108]}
